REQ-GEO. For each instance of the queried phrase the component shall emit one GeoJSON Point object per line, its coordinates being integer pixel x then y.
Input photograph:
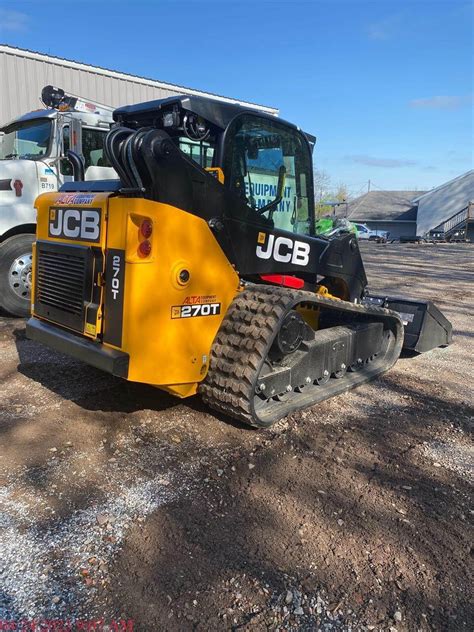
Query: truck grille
{"type": "Point", "coordinates": [62, 283]}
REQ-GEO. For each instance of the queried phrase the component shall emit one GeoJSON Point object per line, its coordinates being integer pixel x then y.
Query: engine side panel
{"type": "Point", "coordinates": [168, 321]}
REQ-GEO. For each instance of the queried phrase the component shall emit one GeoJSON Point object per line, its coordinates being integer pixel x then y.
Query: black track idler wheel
{"type": "Point", "coordinates": [324, 379]}
{"type": "Point", "coordinates": [290, 335]}
{"type": "Point", "coordinates": [341, 372]}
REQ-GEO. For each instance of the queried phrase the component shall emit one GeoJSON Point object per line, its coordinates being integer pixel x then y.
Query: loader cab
{"type": "Point", "coordinates": [267, 163]}
{"type": "Point", "coordinates": [264, 161]}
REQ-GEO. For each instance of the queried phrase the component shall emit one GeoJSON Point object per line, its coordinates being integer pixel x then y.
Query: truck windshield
{"type": "Point", "coordinates": [28, 140]}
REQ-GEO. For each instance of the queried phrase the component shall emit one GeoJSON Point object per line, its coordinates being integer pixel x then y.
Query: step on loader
{"type": "Point", "coordinates": [199, 270]}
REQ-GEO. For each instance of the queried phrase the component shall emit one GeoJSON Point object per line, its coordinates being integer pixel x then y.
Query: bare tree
{"type": "Point", "coordinates": [326, 195]}
{"type": "Point", "coordinates": [341, 193]}
{"type": "Point", "coordinates": [322, 185]}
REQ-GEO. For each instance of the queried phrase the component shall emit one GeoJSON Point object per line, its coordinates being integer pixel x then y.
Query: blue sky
{"type": "Point", "coordinates": [386, 86]}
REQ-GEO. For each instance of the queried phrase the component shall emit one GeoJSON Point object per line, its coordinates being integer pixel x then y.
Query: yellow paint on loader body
{"type": "Point", "coordinates": [48, 205]}
{"type": "Point", "coordinates": [174, 299]}
{"type": "Point", "coordinates": [169, 352]}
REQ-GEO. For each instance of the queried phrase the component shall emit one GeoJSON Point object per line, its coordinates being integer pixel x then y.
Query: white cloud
{"type": "Point", "coordinates": [441, 102]}
{"type": "Point", "coordinates": [13, 21]}
{"type": "Point", "coordinates": [372, 161]}
{"type": "Point", "coordinates": [383, 29]}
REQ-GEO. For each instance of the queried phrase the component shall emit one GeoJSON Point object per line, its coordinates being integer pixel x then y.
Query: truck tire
{"type": "Point", "coordinates": [15, 274]}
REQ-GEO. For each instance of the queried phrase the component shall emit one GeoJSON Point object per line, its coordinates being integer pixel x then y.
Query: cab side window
{"type": "Point", "coordinates": [258, 153]}
{"type": "Point", "coordinates": [92, 149]}
{"type": "Point", "coordinates": [199, 151]}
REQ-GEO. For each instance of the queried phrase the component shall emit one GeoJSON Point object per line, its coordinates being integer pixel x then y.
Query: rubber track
{"type": "Point", "coordinates": [245, 336]}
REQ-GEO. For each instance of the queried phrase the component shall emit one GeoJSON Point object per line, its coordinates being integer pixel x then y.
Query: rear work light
{"type": "Point", "coordinates": [146, 228]}
{"type": "Point", "coordinates": [144, 248]}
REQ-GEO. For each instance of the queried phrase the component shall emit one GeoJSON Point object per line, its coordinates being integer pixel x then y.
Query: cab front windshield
{"type": "Point", "coordinates": [29, 140]}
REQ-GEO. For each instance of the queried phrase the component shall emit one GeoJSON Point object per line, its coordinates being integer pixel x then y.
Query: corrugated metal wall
{"type": "Point", "coordinates": [442, 203]}
{"type": "Point", "coordinates": [22, 78]}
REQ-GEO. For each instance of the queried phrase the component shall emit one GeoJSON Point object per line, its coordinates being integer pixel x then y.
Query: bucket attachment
{"type": "Point", "coordinates": [425, 326]}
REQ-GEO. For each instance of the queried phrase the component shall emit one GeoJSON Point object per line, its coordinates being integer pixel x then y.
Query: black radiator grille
{"type": "Point", "coordinates": [61, 284]}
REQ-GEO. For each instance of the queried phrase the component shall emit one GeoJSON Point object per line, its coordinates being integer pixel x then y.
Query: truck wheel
{"type": "Point", "coordinates": [15, 274]}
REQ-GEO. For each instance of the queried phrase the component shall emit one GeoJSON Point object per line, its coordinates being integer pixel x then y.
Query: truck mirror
{"type": "Point", "coordinates": [77, 165]}
{"type": "Point", "coordinates": [65, 167]}
{"type": "Point", "coordinates": [75, 135]}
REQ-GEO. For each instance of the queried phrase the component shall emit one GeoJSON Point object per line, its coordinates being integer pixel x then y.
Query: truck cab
{"type": "Point", "coordinates": [33, 160]}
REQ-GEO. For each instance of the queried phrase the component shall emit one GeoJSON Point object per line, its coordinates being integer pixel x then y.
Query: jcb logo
{"type": "Point", "coordinates": [75, 223]}
{"type": "Point", "coordinates": [283, 250]}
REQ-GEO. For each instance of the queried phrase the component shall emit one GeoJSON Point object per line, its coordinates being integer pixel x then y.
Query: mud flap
{"type": "Point", "coordinates": [426, 327]}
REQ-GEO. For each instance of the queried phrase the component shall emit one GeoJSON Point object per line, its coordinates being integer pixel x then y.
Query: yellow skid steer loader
{"type": "Point", "coordinates": [199, 270]}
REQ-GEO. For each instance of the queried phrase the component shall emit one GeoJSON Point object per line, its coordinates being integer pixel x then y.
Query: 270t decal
{"type": "Point", "coordinates": [191, 311]}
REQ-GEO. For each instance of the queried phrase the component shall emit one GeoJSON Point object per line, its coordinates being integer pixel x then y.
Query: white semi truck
{"type": "Point", "coordinates": [33, 160]}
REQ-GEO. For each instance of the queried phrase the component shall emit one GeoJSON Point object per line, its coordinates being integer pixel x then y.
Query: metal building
{"type": "Point", "coordinates": [390, 211]}
{"type": "Point", "coordinates": [447, 209]}
{"type": "Point", "coordinates": [450, 201]}
{"type": "Point", "coordinates": [24, 73]}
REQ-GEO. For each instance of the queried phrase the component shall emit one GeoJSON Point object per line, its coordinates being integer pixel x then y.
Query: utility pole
{"type": "Point", "coordinates": [368, 186]}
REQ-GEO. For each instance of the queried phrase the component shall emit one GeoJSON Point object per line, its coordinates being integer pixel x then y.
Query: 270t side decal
{"type": "Point", "coordinates": [190, 311]}
{"type": "Point", "coordinates": [282, 249]}
{"type": "Point", "coordinates": [114, 295]}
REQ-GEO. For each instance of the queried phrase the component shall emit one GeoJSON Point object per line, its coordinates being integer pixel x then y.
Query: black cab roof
{"type": "Point", "coordinates": [216, 112]}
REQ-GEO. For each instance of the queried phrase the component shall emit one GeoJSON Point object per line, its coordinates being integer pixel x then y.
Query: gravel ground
{"type": "Point", "coordinates": [121, 503]}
